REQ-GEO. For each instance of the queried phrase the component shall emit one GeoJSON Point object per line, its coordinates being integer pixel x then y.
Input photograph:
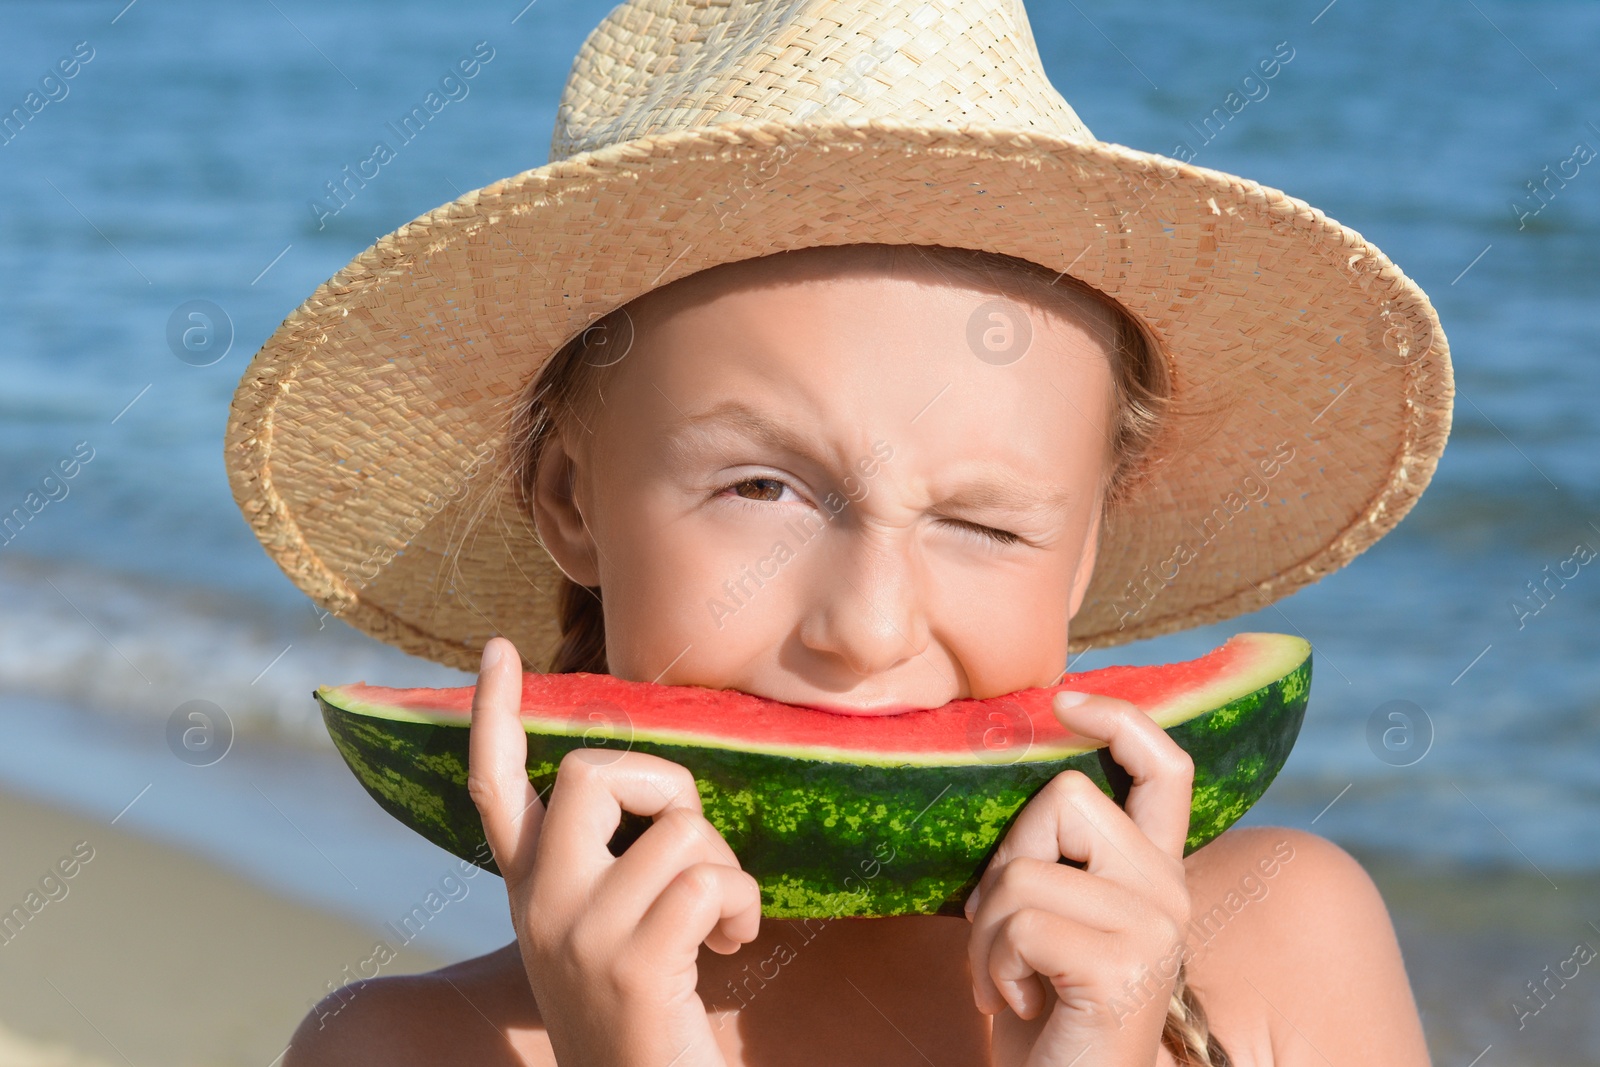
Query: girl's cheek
{"type": "Point", "coordinates": [700, 582]}
{"type": "Point", "coordinates": [1006, 626]}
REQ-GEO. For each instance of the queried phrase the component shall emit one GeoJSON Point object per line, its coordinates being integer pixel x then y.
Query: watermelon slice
{"type": "Point", "coordinates": [837, 815]}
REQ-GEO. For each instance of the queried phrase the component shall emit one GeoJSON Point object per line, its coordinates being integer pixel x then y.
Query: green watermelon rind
{"type": "Point", "coordinates": [831, 839]}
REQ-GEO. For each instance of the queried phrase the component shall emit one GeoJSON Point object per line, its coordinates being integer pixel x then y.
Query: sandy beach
{"type": "Point", "coordinates": [1474, 940]}
{"type": "Point", "coordinates": [146, 955]}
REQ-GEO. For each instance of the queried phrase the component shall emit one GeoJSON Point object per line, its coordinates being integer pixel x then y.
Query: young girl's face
{"type": "Point", "coordinates": [819, 490]}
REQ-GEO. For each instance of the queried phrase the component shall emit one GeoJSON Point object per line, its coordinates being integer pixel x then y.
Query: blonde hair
{"type": "Point", "coordinates": [1144, 407]}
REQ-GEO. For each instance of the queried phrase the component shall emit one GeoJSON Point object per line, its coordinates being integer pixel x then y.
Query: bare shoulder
{"type": "Point", "coordinates": [1294, 954]}
{"type": "Point", "coordinates": [478, 1011]}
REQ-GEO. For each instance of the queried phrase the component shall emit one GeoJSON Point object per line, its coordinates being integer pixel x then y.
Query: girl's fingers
{"type": "Point", "coordinates": [705, 902]}
{"type": "Point", "coordinates": [1070, 817]}
{"type": "Point", "coordinates": [679, 839]}
{"type": "Point", "coordinates": [1035, 920]}
{"type": "Point", "coordinates": [497, 755]}
{"type": "Point", "coordinates": [593, 788]}
{"type": "Point", "coordinates": [1162, 772]}
{"type": "Point", "coordinates": [1033, 942]}
{"type": "Point", "coordinates": [1029, 883]}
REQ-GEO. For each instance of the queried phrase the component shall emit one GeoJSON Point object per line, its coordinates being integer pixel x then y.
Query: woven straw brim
{"type": "Point", "coordinates": [368, 444]}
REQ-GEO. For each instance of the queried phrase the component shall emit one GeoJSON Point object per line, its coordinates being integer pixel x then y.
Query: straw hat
{"type": "Point", "coordinates": [369, 434]}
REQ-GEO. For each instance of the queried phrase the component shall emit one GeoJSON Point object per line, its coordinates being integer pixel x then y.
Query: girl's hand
{"type": "Point", "coordinates": [609, 943]}
{"type": "Point", "coordinates": [1078, 965]}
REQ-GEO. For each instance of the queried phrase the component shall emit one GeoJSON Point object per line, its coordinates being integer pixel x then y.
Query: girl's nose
{"type": "Point", "coordinates": [868, 605]}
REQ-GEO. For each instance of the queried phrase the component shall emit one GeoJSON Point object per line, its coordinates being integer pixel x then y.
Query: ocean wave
{"type": "Point", "coordinates": [125, 645]}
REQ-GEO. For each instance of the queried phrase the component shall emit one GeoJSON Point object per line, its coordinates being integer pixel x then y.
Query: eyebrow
{"type": "Point", "coordinates": [757, 424]}
{"type": "Point", "coordinates": [999, 490]}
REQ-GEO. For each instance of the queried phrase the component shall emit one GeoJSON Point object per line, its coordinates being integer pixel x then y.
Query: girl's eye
{"type": "Point", "coordinates": [1004, 537]}
{"type": "Point", "coordinates": [764, 489]}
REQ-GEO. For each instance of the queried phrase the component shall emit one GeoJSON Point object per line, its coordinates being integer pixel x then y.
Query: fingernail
{"type": "Point", "coordinates": [971, 906]}
{"type": "Point", "coordinates": [491, 654]}
{"type": "Point", "coordinates": [1070, 699]}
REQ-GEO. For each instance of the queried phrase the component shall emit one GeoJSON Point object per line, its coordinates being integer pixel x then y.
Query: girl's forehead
{"type": "Point", "coordinates": [871, 272]}
{"type": "Point", "coordinates": [858, 335]}
{"type": "Point", "coordinates": [947, 373]}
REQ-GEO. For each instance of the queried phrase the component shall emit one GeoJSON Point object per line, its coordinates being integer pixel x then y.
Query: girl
{"type": "Point", "coordinates": [903, 275]}
{"type": "Point", "coordinates": [673, 443]}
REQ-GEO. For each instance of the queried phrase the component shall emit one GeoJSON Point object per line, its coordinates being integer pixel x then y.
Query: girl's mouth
{"type": "Point", "coordinates": [863, 709]}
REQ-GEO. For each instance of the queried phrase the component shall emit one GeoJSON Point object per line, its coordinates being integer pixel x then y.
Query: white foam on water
{"type": "Point", "coordinates": [128, 646]}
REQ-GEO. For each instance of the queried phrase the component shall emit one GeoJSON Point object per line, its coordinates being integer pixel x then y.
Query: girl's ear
{"type": "Point", "coordinates": [1085, 571]}
{"type": "Point", "coordinates": [556, 516]}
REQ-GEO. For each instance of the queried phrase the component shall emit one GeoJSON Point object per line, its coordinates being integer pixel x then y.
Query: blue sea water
{"type": "Point", "coordinates": [179, 163]}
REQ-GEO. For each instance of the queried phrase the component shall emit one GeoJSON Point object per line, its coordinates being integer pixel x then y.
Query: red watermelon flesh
{"type": "Point", "coordinates": [962, 731]}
